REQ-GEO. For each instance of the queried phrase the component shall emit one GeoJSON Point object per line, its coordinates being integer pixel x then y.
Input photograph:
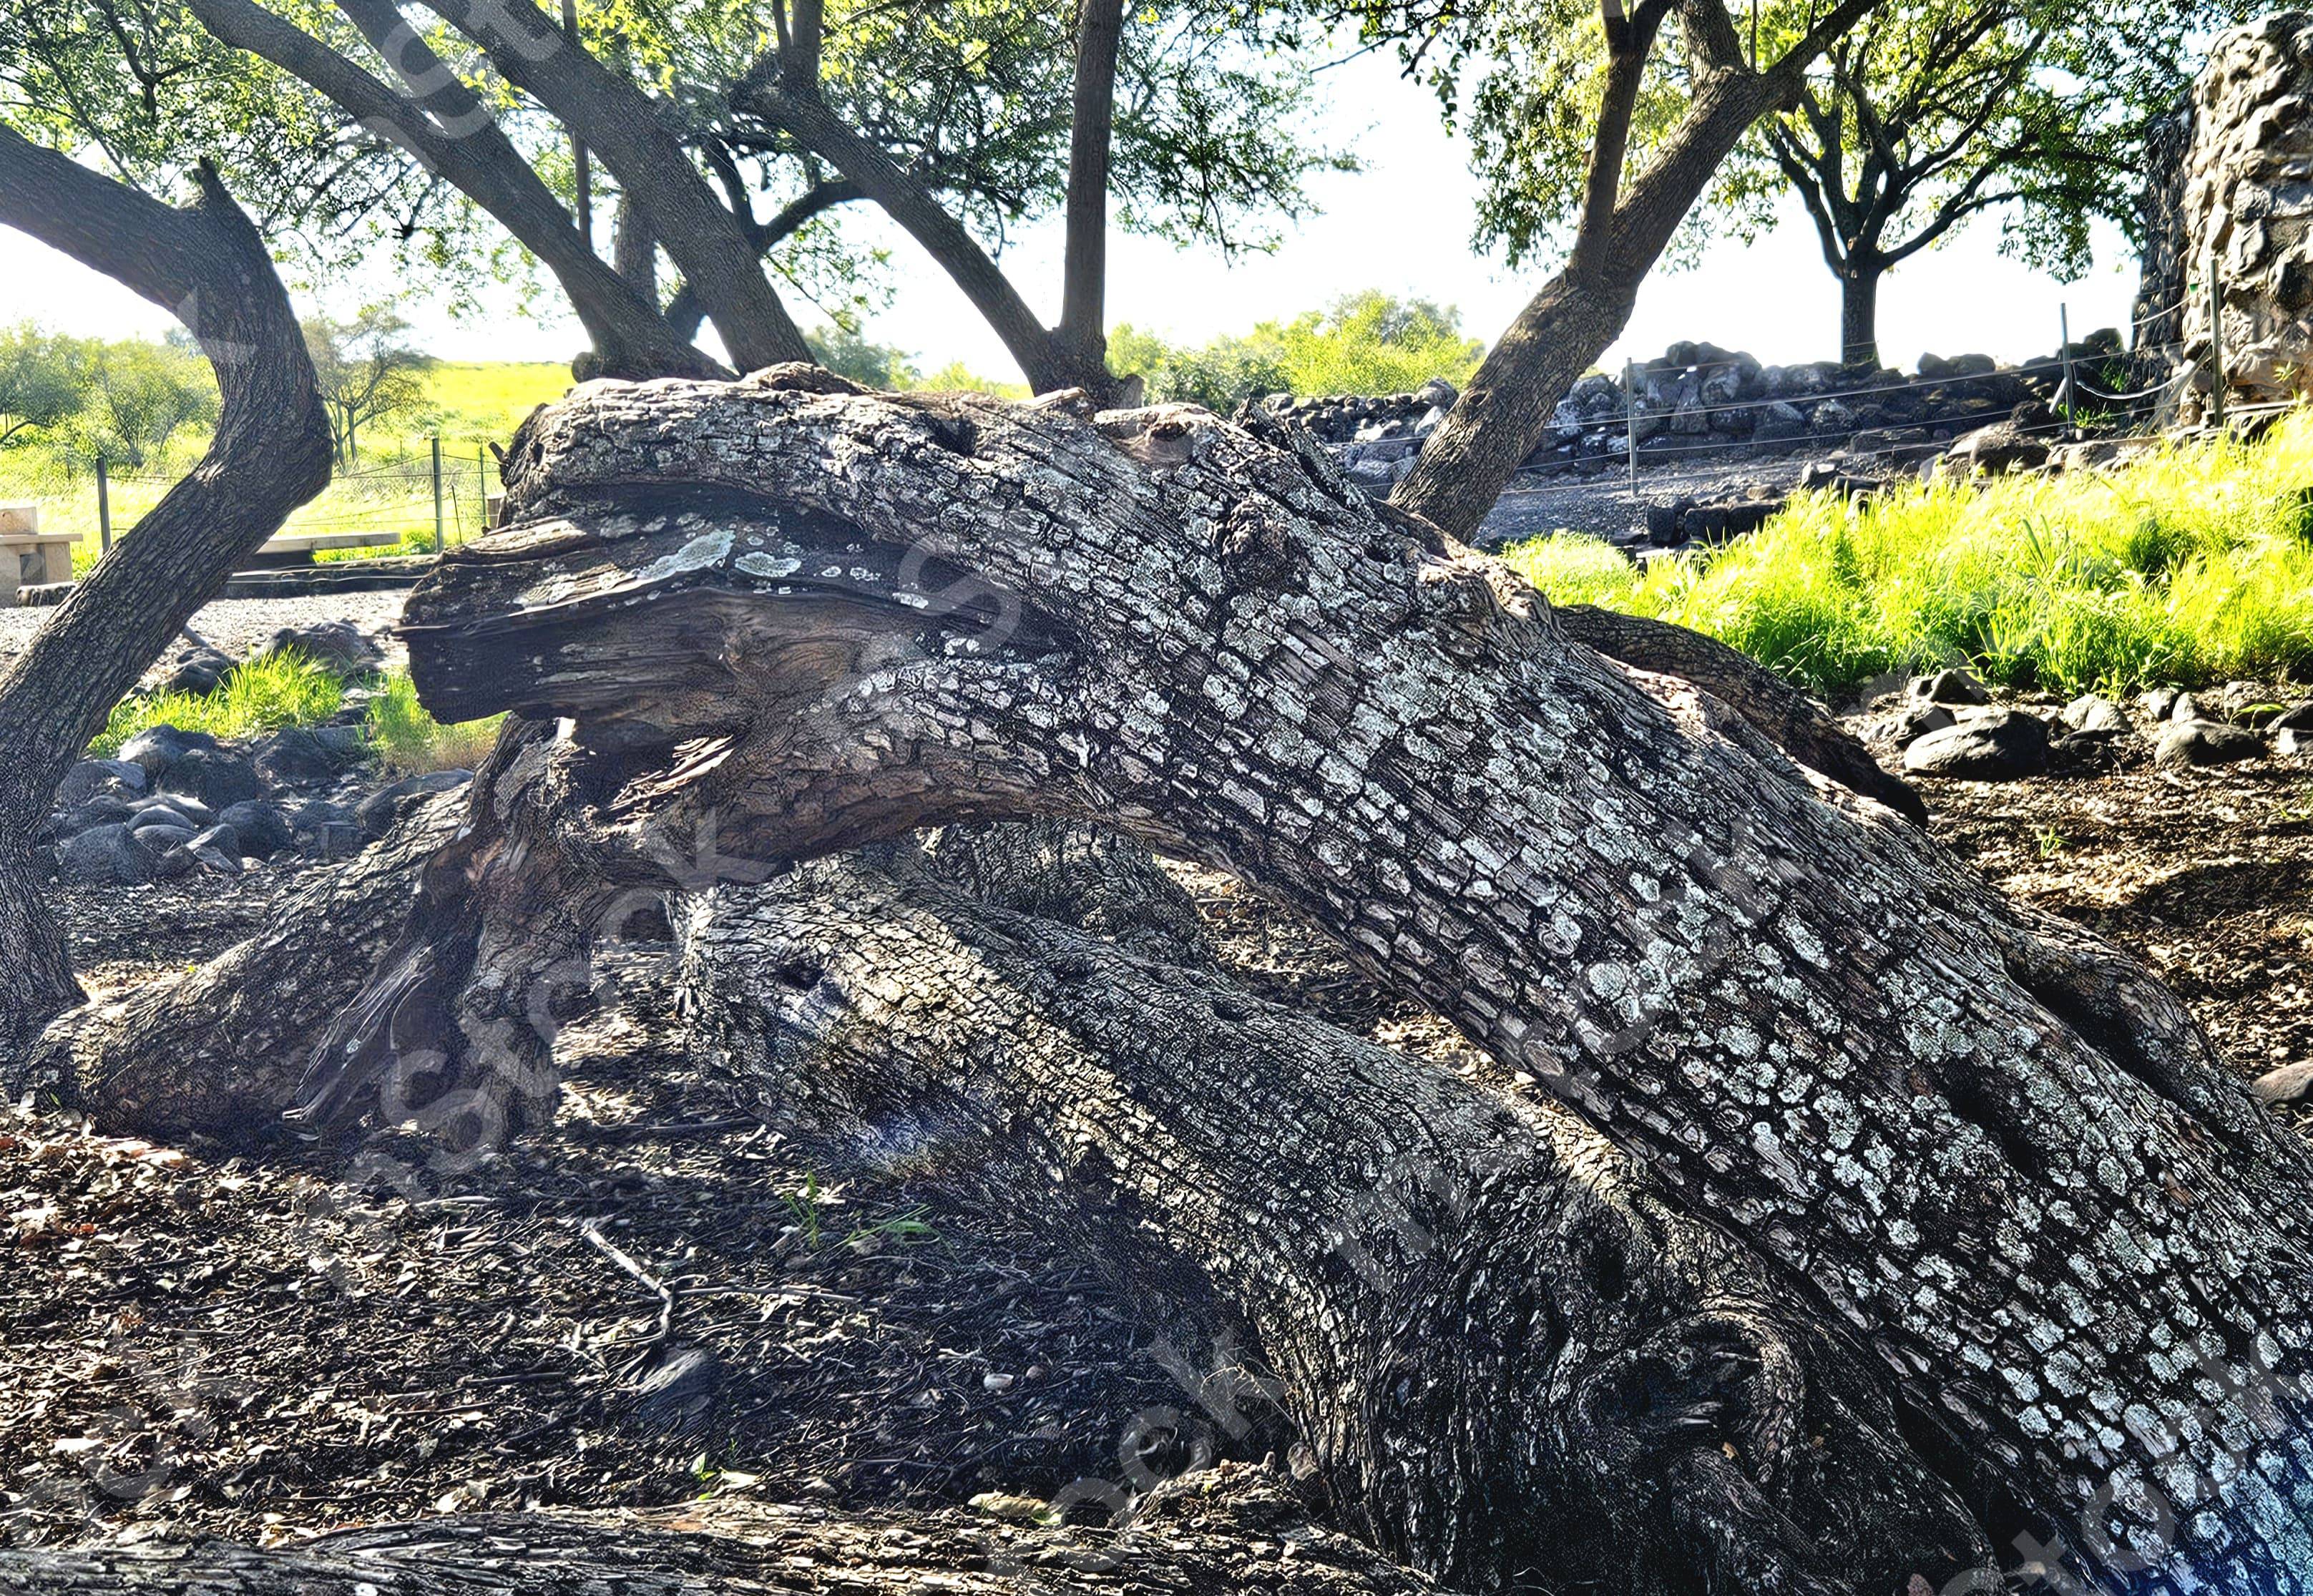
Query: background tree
{"type": "Point", "coordinates": [140, 89]}
{"type": "Point", "coordinates": [208, 265]}
{"type": "Point", "coordinates": [44, 380]}
{"type": "Point", "coordinates": [1932, 113]}
{"type": "Point", "coordinates": [367, 373]}
{"type": "Point", "coordinates": [1569, 106]}
{"type": "Point", "coordinates": [845, 352]}
{"type": "Point", "coordinates": [1185, 118]}
{"type": "Point", "coordinates": [142, 395]}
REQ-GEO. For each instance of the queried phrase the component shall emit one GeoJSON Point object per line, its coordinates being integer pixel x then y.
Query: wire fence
{"type": "Point", "coordinates": [390, 508]}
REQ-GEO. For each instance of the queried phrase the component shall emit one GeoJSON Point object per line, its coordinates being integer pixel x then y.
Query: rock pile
{"type": "Point", "coordinates": [175, 801]}
{"type": "Point", "coordinates": [1947, 725]}
{"type": "Point", "coordinates": [1698, 402]}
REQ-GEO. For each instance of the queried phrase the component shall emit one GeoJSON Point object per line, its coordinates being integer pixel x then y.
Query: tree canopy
{"type": "Point", "coordinates": [1926, 114]}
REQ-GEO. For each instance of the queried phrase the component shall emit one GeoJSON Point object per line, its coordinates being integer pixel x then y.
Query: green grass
{"type": "Point", "coordinates": [260, 697]}
{"type": "Point", "coordinates": [2192, 568]}
{"type": "Point", "coordinates": [409, 742]}
{"type": "Point", "coordinates": [390, 490]}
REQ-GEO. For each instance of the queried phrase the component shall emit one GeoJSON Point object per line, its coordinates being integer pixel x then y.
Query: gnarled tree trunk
{"type": "Point", "coordinates": [766, 620]}
{"type": "Point", "coordinates": [1510, 1357]}
{"type": "Point", "coordinates": [208, 266]}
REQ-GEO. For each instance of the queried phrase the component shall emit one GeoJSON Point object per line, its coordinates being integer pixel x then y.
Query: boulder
{"type": "Point", "coordinates": [91, 778]}
{"type": "Point", "coordinates": [1779, 423]}
{"type": "Point", "coordinates": [2004, 745]}
{"type": "Point", "coordinates": [295, 755]}
{"type": "Point", "coordinates": [2290, 743]}
{"type": "Point", "coordinates": [338, 646]}
{"type": "Point", "coordinates": [2156, 702]}
{"type": "Point", "coordinates": [157, 747]}
{"type": "Point", "coordinates": [378, 813]}
{"type": "Point", "coordinates": [213, 777]}
{"type": "Point", "coordinates": [103, 810]}
{"type": "Point", "coordinates": [1437, 394]}
{"type": "Point", "coordinates": [1999, 448]}
{"type": "Point", "coordinates": [105, 857]}
{"type": "Point", "coordinates": [1832, 418]}
{"type": "Point", "coordinates": [327, 832]}
{"type": "Point", "coordinates": [2093, 713]}
{"type": "Point", "coordinates": [219, 848]}
{"type": "Point", "coordinates": [197, 669]}
{"type": "Point", "coordinates": [164, 835]}
{"type": "Point", "coordinates": [2204, 742]}
{"type": "Point", "coordinates": [262, 828]}
{"type": "Point", "coordinates": [1917, 719]}
{"type": "Point", "coordinates": [2297, 717]}
{"type": "Point", "coordinates": [2287, 1084]}
{"type": "Point", "coordinates": [1954, 686]}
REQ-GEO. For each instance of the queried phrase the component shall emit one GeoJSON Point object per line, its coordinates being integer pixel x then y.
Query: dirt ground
{"type": "Point", "coordinates": [325, 1336]}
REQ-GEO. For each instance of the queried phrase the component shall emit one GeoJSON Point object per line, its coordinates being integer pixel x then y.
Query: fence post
{"type": "Point", "coordinates": [103, 510]}
{"type": "Point", "coordinates": [1631, 429]}
{"type": "Point", "coordinates": [2064, 353]}
{"type": "Point", "coordinates": [2216, 338]}
{"type": "Point", "coordinates": [437, 494]}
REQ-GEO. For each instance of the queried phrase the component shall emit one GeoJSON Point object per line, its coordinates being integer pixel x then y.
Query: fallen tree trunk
{"type": "Point", "coordinates": [1510, 1357]}
{"type": "Point", "coordinates": [787, 620]}
{"type": "Point", "coordinates": [1237, 1531]}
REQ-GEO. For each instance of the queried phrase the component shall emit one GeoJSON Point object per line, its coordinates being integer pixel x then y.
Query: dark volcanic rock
{"type": "Point", "coordinates": [2001, 746]}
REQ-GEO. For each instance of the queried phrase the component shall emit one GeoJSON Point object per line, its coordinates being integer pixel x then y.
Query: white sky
{"type": "Point", "coordinates": [1402, 225]}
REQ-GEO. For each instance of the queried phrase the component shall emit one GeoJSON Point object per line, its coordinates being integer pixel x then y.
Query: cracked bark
{"type": "Point", "coordinates": [766, 620]}
{"type": "Point", "coordinates": [1512, 1359]}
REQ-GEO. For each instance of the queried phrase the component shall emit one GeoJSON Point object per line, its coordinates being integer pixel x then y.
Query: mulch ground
{"type": "Point", "coordinates": [191, 1343]}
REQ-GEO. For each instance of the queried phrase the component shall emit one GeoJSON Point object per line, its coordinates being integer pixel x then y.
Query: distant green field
{"type": "Point", "coordinates": [469, 405]}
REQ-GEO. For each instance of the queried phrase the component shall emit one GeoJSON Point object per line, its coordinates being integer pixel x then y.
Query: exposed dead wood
{"type": "Point", "coordinates": [764, 621]}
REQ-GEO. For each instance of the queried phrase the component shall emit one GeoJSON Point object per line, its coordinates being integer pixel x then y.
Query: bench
{"type": "Point", "coordinates": [29, 557]}
{"type": "Point", "coordinates": [291, 550]}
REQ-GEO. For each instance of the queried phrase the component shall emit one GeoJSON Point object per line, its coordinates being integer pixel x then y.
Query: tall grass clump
{"type": "Point", "coordinates": [410, 741]}
{"type": "Point", "coordinates": [2193, 567]}
{"type": "Point", "coordinates": [271, 694]}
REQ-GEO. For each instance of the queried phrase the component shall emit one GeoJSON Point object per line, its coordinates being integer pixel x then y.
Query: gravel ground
{"type": "Point", "coordinates": [236, 626]}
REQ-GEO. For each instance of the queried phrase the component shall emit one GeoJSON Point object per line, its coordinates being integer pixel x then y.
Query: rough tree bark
{"type": "Point", "coordinates": [1512, 1358]}
{"type": "Point", "coordinates": [1238, 1532]}
{"type": "Point", "coordinates": [207, 266]}
{"type": "Point", "coordinates": [756, 622]}
{"type": "Point", "coordinates": [1620, 233]}
{"type": "Point", "coordinates": [1988, 1143]}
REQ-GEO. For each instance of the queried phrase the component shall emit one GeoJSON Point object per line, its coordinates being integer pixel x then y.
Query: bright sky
{"type": "Point", "coordinates": [1401, 225]}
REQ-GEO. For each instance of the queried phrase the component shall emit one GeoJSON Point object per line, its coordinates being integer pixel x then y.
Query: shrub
{"type": "Point", "coordinates": [1219, 376]}
{"type": "Point", "coordinates": [1370, 343]}
{"type": "Point", "coordinates": [2186, 569]}
{"type": "Point", "coordinates": [1366, 344]}
{"type": "Point", "coordinates": [288, 689]}
{"type": "Point", "coordinates": [410, 741]}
